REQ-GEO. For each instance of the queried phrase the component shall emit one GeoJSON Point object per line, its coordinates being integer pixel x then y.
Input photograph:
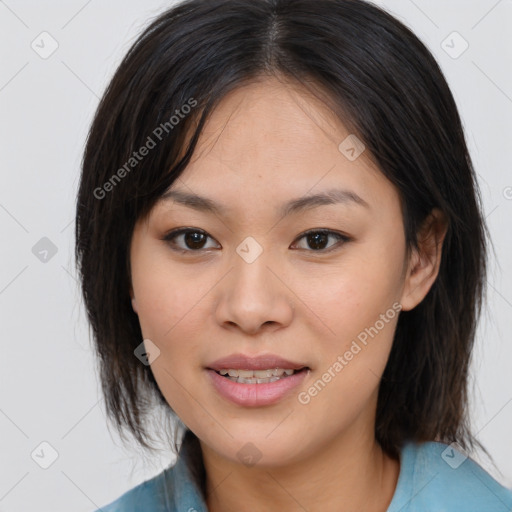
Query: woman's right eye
{"type": "Point", "coordinates": [192, 238]}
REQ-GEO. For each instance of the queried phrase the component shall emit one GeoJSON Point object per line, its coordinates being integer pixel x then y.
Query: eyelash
{"type": "Point", "coordinates": [169, 237]}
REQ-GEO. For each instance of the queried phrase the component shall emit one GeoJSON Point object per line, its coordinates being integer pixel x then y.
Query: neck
{"type": "Point", "coordinates": [349, 474]}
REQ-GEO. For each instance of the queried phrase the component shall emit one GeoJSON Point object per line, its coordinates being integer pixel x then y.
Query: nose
{"type": "Point", "coordinates": [254, 297]}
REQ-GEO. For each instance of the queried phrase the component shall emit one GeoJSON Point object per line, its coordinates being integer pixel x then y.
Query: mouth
{"type": "Point", "coordinates": [257, 388]}
{"type": "Point", "coordinates": [258, 376]}
{"type": "Point", "coordinates": [256, 380]}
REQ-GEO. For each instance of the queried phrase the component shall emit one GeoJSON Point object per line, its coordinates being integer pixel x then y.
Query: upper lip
{"type": "Point", "coordinates": [260, 362]}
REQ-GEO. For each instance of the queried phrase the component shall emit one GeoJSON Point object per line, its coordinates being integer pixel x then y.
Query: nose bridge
{"type": "Point", "coordinates": [251, 262]}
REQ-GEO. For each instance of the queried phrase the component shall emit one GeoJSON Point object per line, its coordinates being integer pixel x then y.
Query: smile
{"type": "Point", "coordinates": [254, 391]}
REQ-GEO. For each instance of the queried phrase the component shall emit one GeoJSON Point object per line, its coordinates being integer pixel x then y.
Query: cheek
{"type": "Point", "coordinates": [169, 309]}
{"type": "Point", "coordinates": [352, 296]}
{"type": "Point", "coordinates": [361, 310]}
{"type": "Point", "coordinates": [165, 294]}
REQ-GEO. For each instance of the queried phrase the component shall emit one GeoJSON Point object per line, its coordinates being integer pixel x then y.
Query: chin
{"type": "Point", "coordinates": [259, 450]}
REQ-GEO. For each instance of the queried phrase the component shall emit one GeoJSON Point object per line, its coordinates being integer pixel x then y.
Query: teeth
{"type": "Point", "coordinates": [263, 374]}
{"type": "Point", "coordinates": [255, 381]}
{"type": "Point", "coordinates": [259, 374]}
{"type": "Point", "coordinates": [256, 376]}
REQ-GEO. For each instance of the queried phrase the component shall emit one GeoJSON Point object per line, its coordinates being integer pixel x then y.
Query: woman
{"type": "Point", "coordinates": [281, 245]}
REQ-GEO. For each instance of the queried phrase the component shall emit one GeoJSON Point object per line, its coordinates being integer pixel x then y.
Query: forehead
{"type": "Point", "coordinates": [271, 118]}
{"type": "Point", "coordinates": [277, 141]}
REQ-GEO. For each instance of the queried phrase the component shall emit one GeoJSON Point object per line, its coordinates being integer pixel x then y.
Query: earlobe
{"type": "Point", "coordinates": [134, 302]}
{"type": "Point", "coordinates": [425, 260]}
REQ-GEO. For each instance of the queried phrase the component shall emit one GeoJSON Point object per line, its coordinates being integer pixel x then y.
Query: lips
{"type": "Point", "coordinates": [256, 394]}
{"type": "Point", "coordinates": [260, 362]}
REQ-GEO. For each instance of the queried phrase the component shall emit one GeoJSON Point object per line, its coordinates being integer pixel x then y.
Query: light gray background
{"type": "Point", "coordinates": [48, 381]}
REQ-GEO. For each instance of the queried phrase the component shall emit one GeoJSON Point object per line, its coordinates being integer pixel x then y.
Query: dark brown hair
{"type": "Point", "coordinates": [384, 85]}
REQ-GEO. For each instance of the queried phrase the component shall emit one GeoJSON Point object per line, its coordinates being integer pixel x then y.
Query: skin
{"type": "Point", "coordinates": [267, 143]}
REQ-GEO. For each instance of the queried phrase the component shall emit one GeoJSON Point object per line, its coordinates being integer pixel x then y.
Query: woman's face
{"type": "Point", "coordinates": [247, 279]}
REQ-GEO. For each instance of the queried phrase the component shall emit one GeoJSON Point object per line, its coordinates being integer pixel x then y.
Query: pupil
{"type": "Point", "coordinates": [317, 239]}
{"type": "Point", "coordinates": [194, 238]}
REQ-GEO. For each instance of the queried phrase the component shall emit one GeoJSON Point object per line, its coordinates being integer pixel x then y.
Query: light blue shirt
{"type": "Point", "coordinates": [434, 477]}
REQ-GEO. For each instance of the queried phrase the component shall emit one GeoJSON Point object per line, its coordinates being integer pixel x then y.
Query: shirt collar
{"type": "Point", "coordinates": [183, 481]}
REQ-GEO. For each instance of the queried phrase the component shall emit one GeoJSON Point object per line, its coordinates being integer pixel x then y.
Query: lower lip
{"type": "Point", "coordinates": [256, 395]}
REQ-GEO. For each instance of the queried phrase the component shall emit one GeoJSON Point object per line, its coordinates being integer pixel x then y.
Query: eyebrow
{"type": "Point", "coordinates": [294, 206]}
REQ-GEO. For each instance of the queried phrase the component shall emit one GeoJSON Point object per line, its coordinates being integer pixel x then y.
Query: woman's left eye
{"type": "Point", "coordinates": [194, 239]}
{"type": "Point", "coordinates": [317, 239]}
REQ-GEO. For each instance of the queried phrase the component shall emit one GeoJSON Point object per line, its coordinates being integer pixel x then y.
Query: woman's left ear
{"type": "Point", "coordinates": [424, 261]}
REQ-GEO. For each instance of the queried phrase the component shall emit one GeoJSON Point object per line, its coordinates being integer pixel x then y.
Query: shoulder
{"type": "Point", "coordinates": [438, 475]}
{"type": "Point", "coordinates": [151, 495]}
{"type": "Point", "coordinates": [175, 489]}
